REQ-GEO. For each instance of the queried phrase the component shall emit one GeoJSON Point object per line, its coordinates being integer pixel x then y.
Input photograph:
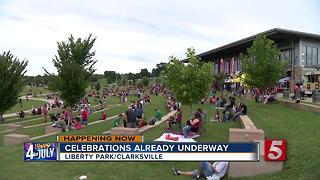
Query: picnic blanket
{"type": "Point", "coordinates": [180, 138]}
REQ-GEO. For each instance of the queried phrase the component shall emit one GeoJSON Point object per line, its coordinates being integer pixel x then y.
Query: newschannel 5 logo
{"type": "Point", "coordinates": [275, 150]}
{"type": "Point", "coordinates": [40, 151]}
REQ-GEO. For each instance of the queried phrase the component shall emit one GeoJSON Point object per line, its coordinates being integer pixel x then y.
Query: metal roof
{"type": "Point", "coordinates": [234, 48]}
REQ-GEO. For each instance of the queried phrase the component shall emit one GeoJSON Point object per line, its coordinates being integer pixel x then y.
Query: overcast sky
{"type": "Point", "coordinates": [135, 34]}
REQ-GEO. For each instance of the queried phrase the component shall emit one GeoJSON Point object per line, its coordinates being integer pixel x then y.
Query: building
{"type": "Point", "coordinates": [301, 49]}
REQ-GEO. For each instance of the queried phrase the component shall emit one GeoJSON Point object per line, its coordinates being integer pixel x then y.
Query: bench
{"type": "Point", "coordinates": [246, 122]}
{"type": "Point", "coordinates": [250, 133]}
{"type": "Point", "coordinates": [11, 139]}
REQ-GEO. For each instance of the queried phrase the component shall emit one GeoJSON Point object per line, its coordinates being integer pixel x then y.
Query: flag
{"type": "Point", "coordinates": [232, 67]}
{"type": "Point", "coordinates": [221, 66]}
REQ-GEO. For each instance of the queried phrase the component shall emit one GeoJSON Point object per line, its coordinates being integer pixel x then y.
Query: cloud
{"type": "Point", "coordinates": [132, 35]}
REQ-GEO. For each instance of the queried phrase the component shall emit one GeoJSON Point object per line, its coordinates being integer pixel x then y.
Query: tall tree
{"type": "Point", "coordinates": [189, 83]}
{"type": "Point", "coordinates": [97, 86]}
{"type": "Point", "coordinates": [11, 74]}
{"type": "Point", "coordinates": [144, 72]}
{"type": "Point", "coordinates": [145, 81]}
{"type": "Point", "coordinates": [111, 76]}
{"type": "Point", "coordinates": [159, 67]}
{"type": "Point", "coordinates": [75, 66]}
{"type": "Point", "coordinates": [219, 81]}
{"type": "Point", "coordinates": [262, 65]}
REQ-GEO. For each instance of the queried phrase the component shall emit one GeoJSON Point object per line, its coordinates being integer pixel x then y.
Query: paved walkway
{"type": "Point", "coordinates": [307, 100]}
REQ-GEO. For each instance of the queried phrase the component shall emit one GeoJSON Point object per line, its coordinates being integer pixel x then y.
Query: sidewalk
{"type": "Point", "coordinates": [307, 100]}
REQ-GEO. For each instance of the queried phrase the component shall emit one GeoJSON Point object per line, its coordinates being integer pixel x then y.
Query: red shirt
{"type": "Point", "coordinates": [78, 125]}
{"type": "Point", "coordinates": [104, 115]}
{"type": "Point", "coordinates": [45, 111]}
{"type": "Point", "coordinates": [84, 114]}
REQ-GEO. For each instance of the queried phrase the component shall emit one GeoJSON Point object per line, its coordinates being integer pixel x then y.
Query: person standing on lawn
{"type": "Point", "coordinates": [45, 112]}
{"type": "Point", "coordinates": [158, 114]}
{"type": "Point", "coordinates": [84, 115]}
{"type": "Point", "coordinates": [131, 118]}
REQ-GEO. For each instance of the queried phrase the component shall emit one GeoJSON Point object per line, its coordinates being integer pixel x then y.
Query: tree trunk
{"type": "Point", "coordinates": [190, 109]}
{"type": "Point", "coordinates": [1, 117]}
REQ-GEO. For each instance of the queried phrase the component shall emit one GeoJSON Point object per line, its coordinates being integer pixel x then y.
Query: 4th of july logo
{"type": "Point", "coordinates": [40, 151]}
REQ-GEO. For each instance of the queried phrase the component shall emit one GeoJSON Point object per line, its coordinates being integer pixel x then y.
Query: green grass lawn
{"type": "Point", "coordinates": [33, 90]}
{"type": "Point", "coordinates": [301, 129]}
{"type": "Point", "coordinates": [26, 106]}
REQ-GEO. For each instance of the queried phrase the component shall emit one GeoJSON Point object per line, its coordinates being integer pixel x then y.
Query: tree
{"type": "Point", "coordinates": [97, 86]}
{"type": "Point", "coordinates": [140, 83]}
{"type": "Point", "coordinates": [12, 71]}
{"type": "Point", "coordinates": [75, 67]}
{"type": "Point", "coordinates": [156, 71]}
{"type": "Point", "coordinates": [145, 81]}
{"type": "Point", "coordinates": [219, 81]}
{"type": "Point", "coordinates": [262, 65]}
{"type": "Point", "coordinates": [188, 83]}
{"type": "Point", "coordinates": [144, 72]}
{"type": "Point", "coordinates": [111, 76]}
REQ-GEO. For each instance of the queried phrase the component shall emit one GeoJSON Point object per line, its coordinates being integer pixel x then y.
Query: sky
{"type": "Point", "coordinates": [136, 34]}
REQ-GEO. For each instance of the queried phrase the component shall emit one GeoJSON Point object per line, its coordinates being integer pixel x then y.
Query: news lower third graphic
{"type": "Point", "coordinates": [132, 148]}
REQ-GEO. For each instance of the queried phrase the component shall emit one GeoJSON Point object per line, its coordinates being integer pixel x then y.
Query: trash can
{"type": "Point", "coordinates": [316, 96]}
{"type": "Point", "coordinates": [286, 93]}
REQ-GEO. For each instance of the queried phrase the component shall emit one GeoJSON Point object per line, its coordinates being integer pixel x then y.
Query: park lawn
{"type": "Point", "coordinates": [302, 131]}
{"type": "Point", "coordinates": [33, 90]}
{"type": "Point", "coordinates": [39, 130]}
{"type": "Point", "coordinates": [276, 120]}
{"type": "Point", "coordinates": [26, 106]}
{"type": "Point", "coordinates": [114, 170]}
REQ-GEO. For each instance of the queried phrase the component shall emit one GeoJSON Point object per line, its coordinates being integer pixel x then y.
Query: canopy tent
{"type": "Point", "coordinates": [284, 80]}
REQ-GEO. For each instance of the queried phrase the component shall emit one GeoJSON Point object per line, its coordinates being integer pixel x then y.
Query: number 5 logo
{"type": "Point", "coordinates": [275, 150]}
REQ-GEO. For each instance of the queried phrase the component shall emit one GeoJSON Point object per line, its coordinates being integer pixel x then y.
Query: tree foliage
{"type": "Point", "coordinates": [97, 86]}
{"type": "Point", "coordinates": [11, 74]}
{"type": "Point", "coordinates": [191, 82]}
{"type": "Point", "coordinates": [262, 65]}
{"type": "Point", "coordinates": [144, 72]}
{"type": "Point", "coordinates": [145, 81]}
{"type": "Point", "coordinates": [75, 67]}
{"type": "Point", "coordinates": [157, 71]}
{"type": "Point", "coordinates": [111, 76]}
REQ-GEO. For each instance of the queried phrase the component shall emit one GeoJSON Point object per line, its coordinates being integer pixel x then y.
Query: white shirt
{"type": "Point", "coordinates": [221, 168]}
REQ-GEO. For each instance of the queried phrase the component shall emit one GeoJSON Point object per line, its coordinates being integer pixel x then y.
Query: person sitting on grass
{"type": "Point", "coordinates": [61, 123]}
{"type": "Point", "coordinates": [242, 110]}
{"type": "Point", "coordinates": [21, 114]}
{"type": "Point", "coordinates": [77, 124]}
{"type": "Point", "coordinates": [142, 123]}
{"type": "Point", "coordinates": [227, 115]}
{"type": "Point", "coordinates": [39, 111]}
{"type": "Point", "coordinates": [158, 114]}
{"type": "Point", "coordinates": [54, 118]}
{"type": "Point", "coordinates": [217, 116]}
{"type": "Point", "coordinates": [34, 112]}
{"type": "Point", "coordinates": [213, 171]}
{"type": "Point", "coordinates": [117, 120]}
{"type": "Point", "coordinates": [103, 115]}
{"type": "Point", "coordinates": [193, 125]}
{"type": "Point", "coordinates": [170, 122]}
